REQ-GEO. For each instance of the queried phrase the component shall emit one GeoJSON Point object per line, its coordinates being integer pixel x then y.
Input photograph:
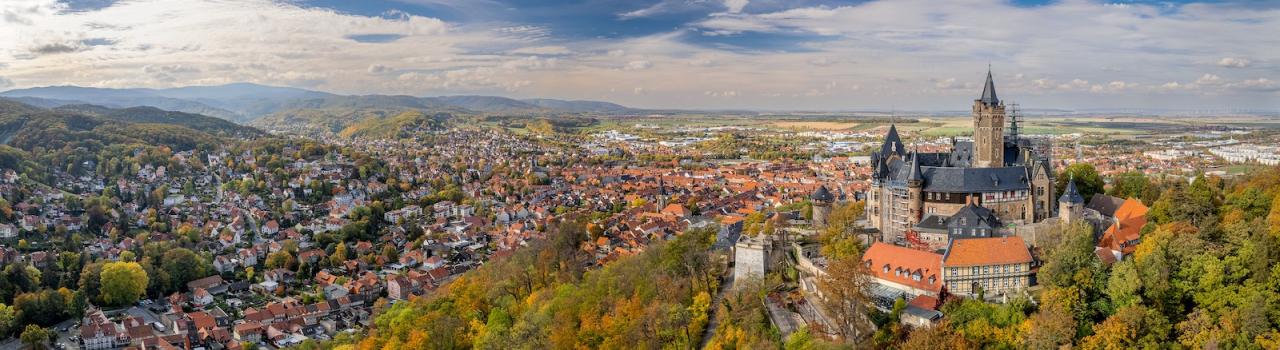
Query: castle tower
{"type": "Point", "coordinates": [915, 189]}
{"type": "Point", "coordinates": [822, 200]}
{"type": "Point", "coordinates": [1071, 204]}
{"type": "Point", "coordinates": [988, 128]}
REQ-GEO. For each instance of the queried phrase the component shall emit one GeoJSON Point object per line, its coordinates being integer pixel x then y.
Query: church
{"type": "Point", "coordinates": [979, 188]}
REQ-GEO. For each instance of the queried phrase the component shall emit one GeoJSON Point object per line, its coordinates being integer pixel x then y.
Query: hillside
{"type": "Point", "coordinates": [541, 298]}
{"type": "Point", "coordinates": [211, 125]}
{"type": "Point", "coordinates": [73, 135]}
{"type": "Point", "coordinates": [244, 102]}
{"type": "Point", "coordinates": [578, 106]}
{"type": "Point", "coordinates": [405, 124]}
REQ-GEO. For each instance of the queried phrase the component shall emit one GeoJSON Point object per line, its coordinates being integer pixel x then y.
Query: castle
{"type": "Point", "coordinates": [977, 189]}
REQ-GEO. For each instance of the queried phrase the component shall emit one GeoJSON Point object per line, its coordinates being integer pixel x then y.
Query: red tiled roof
{"type": "Point", "coordinates": [903, 264]}
{"type": "Point", "coordinates": [987, 251]}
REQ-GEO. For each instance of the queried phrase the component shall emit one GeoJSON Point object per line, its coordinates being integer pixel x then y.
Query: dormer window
{"type": "Point", "coordinates": [933, 279]}
{"type": "Point", "coordinates": [886, 268]}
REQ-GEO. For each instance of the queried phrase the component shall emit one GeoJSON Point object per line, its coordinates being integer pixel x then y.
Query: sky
{"type": "Point", "coordinates": [698, 54]}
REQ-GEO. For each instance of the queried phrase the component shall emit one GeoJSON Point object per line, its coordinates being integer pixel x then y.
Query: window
{"type": "Point", "coordinates": [986, 270]}
{"type": "Point", "coordinates": [975, 270]}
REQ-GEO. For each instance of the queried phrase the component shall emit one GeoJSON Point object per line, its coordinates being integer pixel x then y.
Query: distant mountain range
{"type": "Point", "coordinates": [244, 102]}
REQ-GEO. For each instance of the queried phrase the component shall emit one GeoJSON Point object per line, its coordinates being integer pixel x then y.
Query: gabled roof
{"type": "Point", "coordinates": [903, 265]}
{"type": "Point", "coordinates": [973, 216]}
{"type": "Point", "coordinates": [1104, 204]}
{"type": "Point", "coordinates": [987, 251]}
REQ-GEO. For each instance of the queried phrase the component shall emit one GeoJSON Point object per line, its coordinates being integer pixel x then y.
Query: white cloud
{"type": "Point", "coordinates": [735, 6]}
{"type": "Point", "coordinates": [1256, 85]}
{"type": "Point", "coordinates": [5, 82]}
{"type": "Point", "coordinates": [1233, 62]}
{"type": "Point", "coordinates": [1209, 79]}
{"type": "Point", "coordinates": [922, 53]}
{"type": "Point", "coordinates": [542, 50]}
{"type": "Point", "coordinates": [638, 65]}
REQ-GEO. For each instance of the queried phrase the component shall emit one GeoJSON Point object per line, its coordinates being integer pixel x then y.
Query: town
{"type": "Point", "coordinates": [305, 237]}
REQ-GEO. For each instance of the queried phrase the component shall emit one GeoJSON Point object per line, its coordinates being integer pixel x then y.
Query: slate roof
{"type": "Point", "coordinates": [973, 216]}
{"type": "Point", "coordinates": [1104, 204]}
{"type": "Point", "coordinates": [1071, 195]}
{"type": "Point", "coordinates": [822, 194]}
{"type": "Point", "coordinates": [963, 180]}
{"type": "Point", "coordinates": [989, 92]}
{"type": "Point", "coordinates": [892, 142]}
{"type": "Point", "coordinates": [933, 223]}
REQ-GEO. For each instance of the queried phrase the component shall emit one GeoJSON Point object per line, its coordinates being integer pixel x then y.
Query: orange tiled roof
{"type": "Point", "coordinates": [987, 251]}
{"type": "Point", "coordinates": [902, 264]}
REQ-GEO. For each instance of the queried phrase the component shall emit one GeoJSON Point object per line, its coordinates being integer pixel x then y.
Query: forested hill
{"type": "Point", "coordinates": [211, 125]}
{"type": "Point", "coordinates": [543, 298]}
{"type": "Point", "coordinates": [33, 138]}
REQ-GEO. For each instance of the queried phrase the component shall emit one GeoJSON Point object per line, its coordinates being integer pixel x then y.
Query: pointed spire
{"type": "Point", "coordinates": [915, 168]}
{"type": "Point", "coordinates": [822, 194]}
{"type": "Point", "coordinates": [892, 142]}
{"type": "Point", "coordinates": [1071, 194]}
{"type": "Point", "coordinates": [989, 91]}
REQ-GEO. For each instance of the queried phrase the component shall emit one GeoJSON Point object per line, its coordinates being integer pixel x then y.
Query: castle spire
{"type": "Point", "coordinates": [989, 91]}
{"type": "Point", "coordinates": [1071, 194]}
{"type": "Point", "coordinates": [915, 177]}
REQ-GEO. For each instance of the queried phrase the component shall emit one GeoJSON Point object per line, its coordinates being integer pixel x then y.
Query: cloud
{"type": "Point", "coordinates": [638, 65]}
{"type": "Point", "coordinates": [375, 38]}
{"type": "Point", "coordinates": [542, 50]}
{"type": "Point", "coordinates": [876, 54]}
{"type": "Point", "coordinates": [735, 6]}
{"type": "Point", "coordinates": [1256, 85]}
{"type": "Point", "coordinates": [1233, 62]}
{"type": "Point", "coordinates": [57, 48]}
{"type": "Point", "coordinates": [170, 68]}
{"type": "Point", "coordinates": [1209, 79]}
{"type": "Point", "coordinates": [5, 82]}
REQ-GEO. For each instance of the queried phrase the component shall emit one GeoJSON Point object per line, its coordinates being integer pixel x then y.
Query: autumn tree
{"type": "Point", "coordinates": [847, 299]}
{"type": "Point", "coordinates": [122, 283]}
{"type": "Point", "coordinates": [1132, 327]}
{"type": "Point", "coordinates": [35, 337]}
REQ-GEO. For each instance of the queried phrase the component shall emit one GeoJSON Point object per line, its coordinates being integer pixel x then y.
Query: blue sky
{"type": "Point", "coordinates": [764, 54]}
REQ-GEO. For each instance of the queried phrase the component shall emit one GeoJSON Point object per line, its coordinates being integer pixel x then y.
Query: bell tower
{"type": "Point", "coordinates": [988, 128]}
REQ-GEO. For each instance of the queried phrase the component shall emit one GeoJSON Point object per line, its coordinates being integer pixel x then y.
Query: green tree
{"type": "Point", "coordinates": [8, 320]}
{"type": "Point", "coordinates": [35, 337]}
{"type": "Point", "coordinates": [1134, 184]}
{"type": "Point", "coordinates": [123, 283]}
{"type": "Point", "coordinates": [1088, 182]}
{"type": "Point", "coordinates": [1123, 284]}
{"type": "Point", "coordinates": [182, 266]}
